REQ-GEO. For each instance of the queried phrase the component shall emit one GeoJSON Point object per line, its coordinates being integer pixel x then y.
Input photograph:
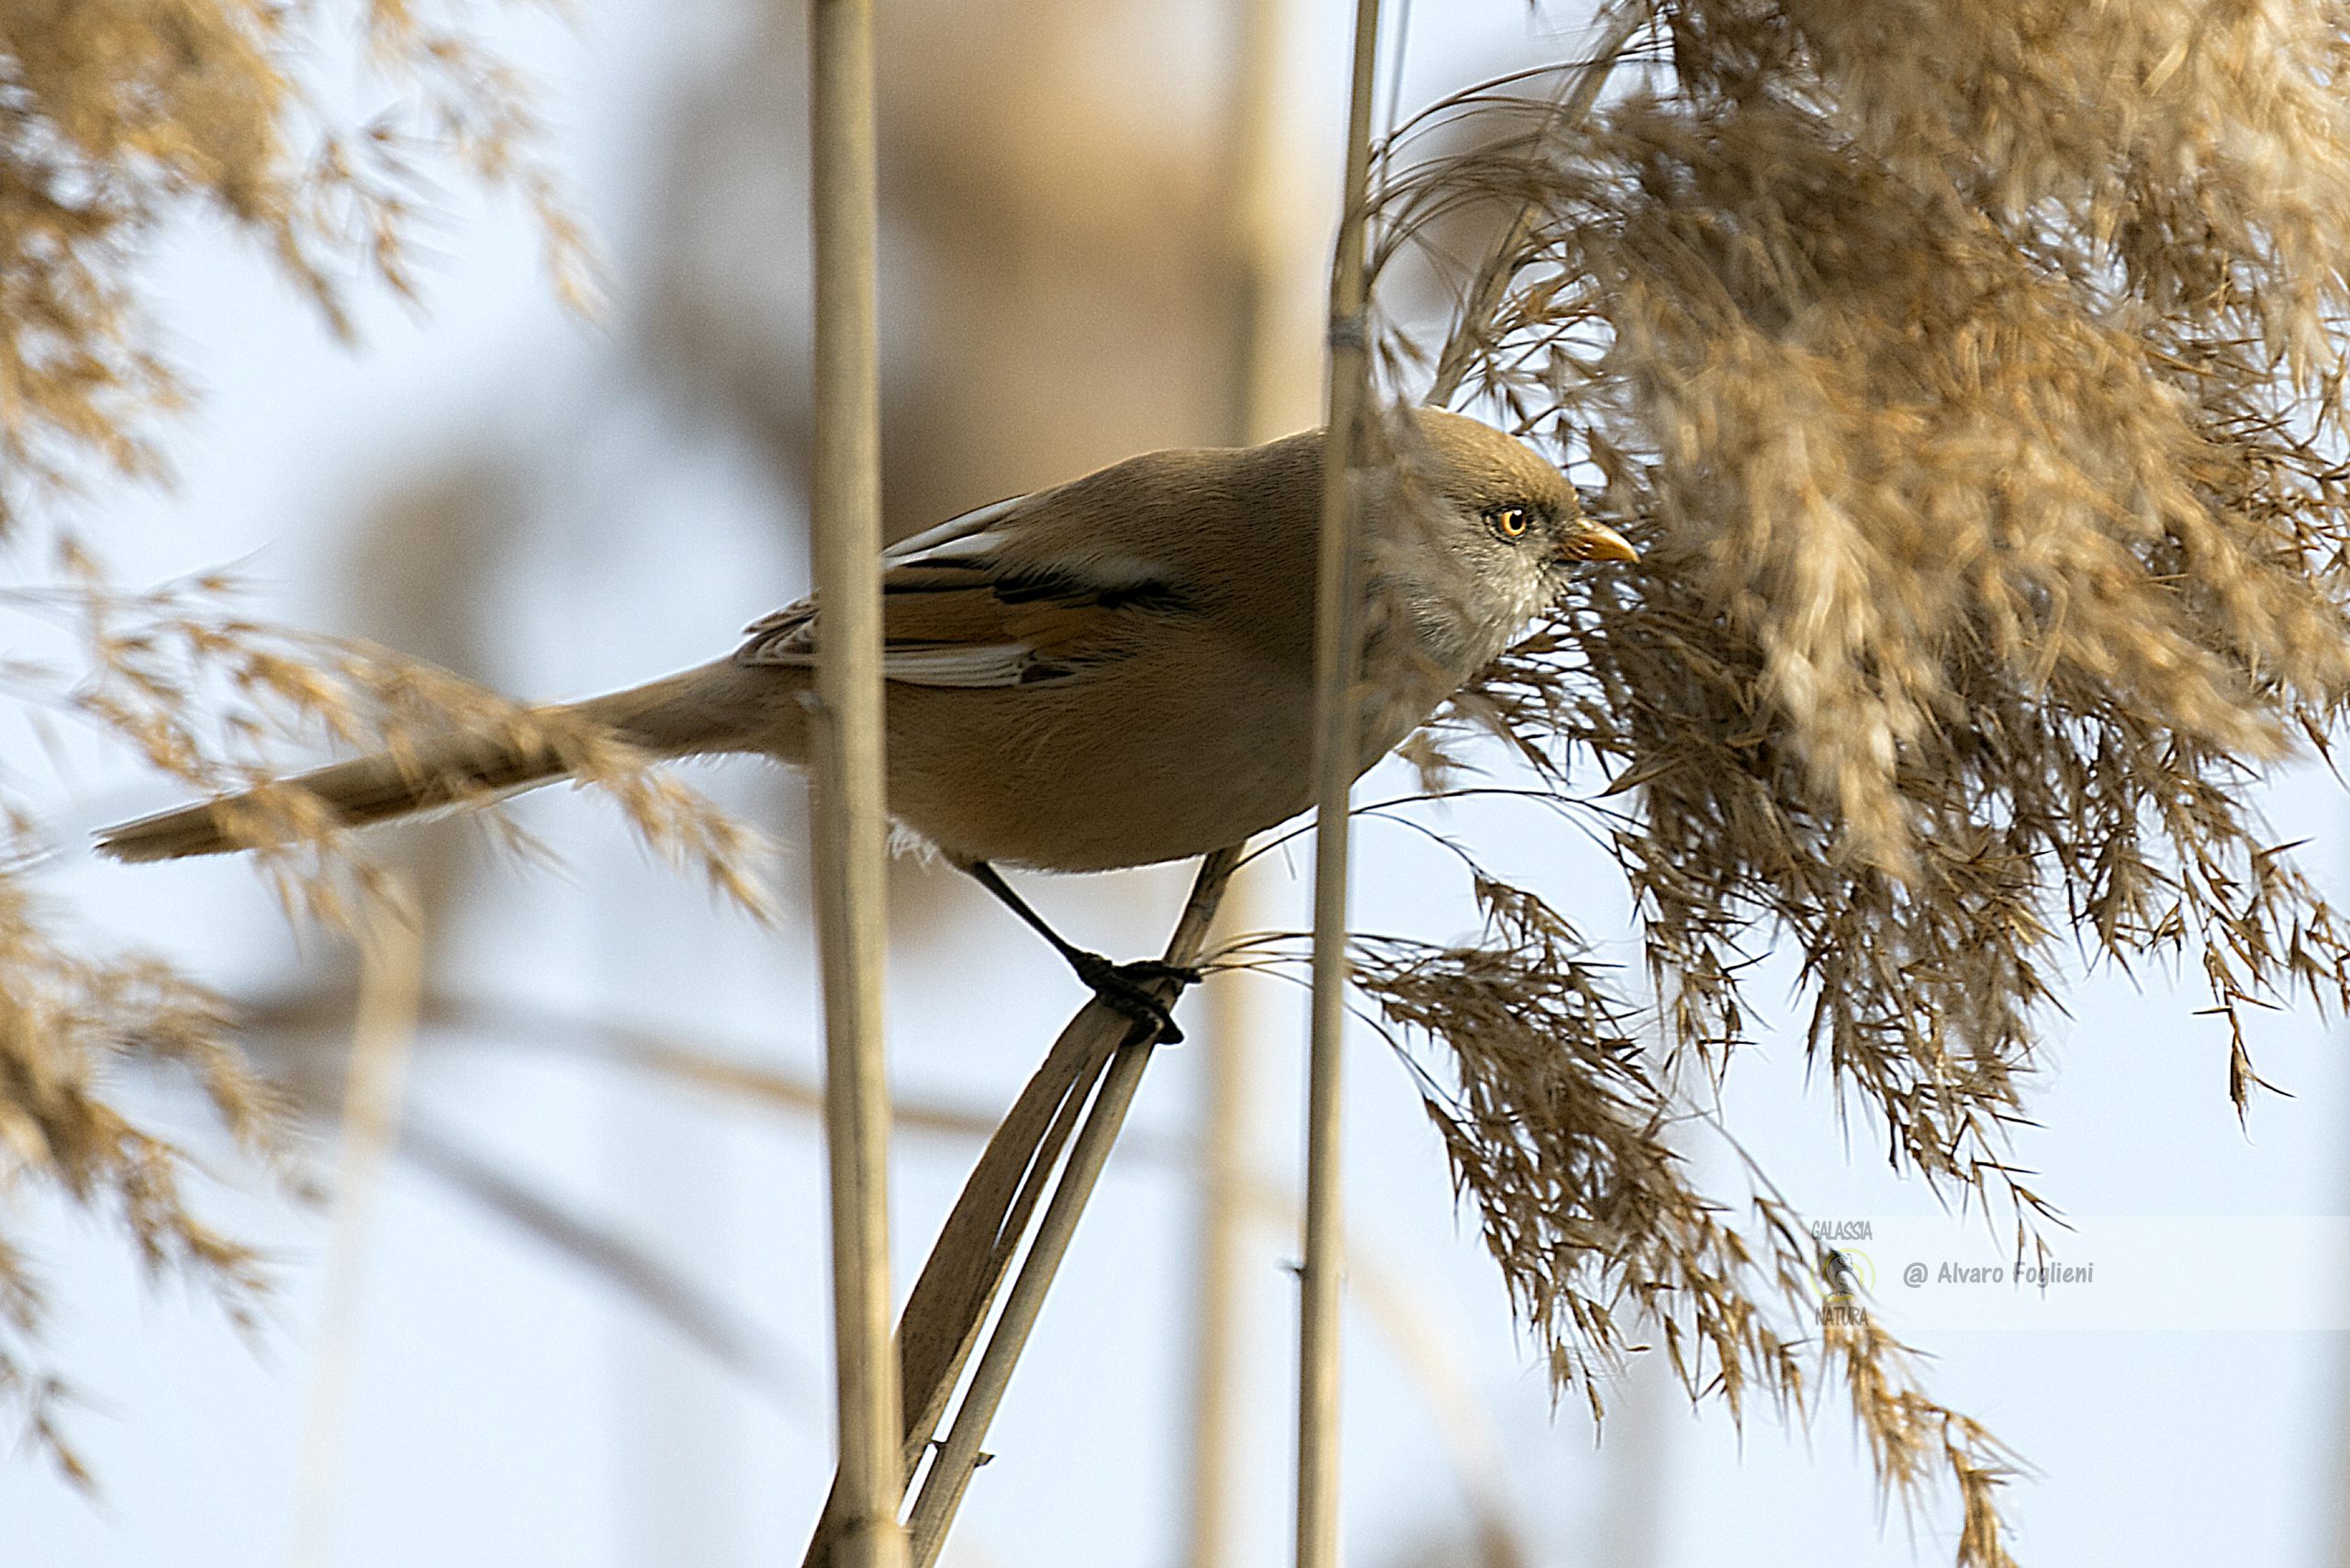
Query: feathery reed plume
{"type": "Point", "coordinates": [1991, 549]}
{"type": "Point", "coordinates": [200, 691]}
{"type": "Point", "coordinates": [1969, 376]}
{"type": "Point", "coordinates": [121, 117]}
{"type": "Point", "coordinates": [115, 121]}
{"type": "Point", "coordinates": [69, 1021]}
{"type": "Point", "coordinates": [180, 678]}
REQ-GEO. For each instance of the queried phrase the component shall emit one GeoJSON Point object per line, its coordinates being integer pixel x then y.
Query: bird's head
{"type": "Point", "coordinates": [1506, 520]}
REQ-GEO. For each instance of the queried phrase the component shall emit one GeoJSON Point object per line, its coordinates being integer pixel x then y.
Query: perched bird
{"type": "Point", "coordinates": [1115, 671]}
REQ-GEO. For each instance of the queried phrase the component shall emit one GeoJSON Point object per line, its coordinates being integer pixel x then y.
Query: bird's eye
{"type": "Point", "coordinates": [1508, 521]}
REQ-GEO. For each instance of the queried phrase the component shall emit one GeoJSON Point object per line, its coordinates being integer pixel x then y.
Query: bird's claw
{"type": "Point", "coordinates": [1125, 989]}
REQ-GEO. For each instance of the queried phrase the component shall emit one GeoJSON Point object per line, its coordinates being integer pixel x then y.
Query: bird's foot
{"type": "Point", "coordinates": [1126, 989]}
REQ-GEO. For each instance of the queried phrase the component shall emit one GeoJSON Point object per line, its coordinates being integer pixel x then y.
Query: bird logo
{"type": "Point", "coordinates": [1846, 1274]}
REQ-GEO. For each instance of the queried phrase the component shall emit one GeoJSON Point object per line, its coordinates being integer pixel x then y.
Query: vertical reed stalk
{"type": "Point", "coordinates": [846, 780]}
{"type": "Point", "coordinates": [382, 1036]}
{"type": "Point", "coordinates": [1255, 246]}
{"type": "Point", "coordinates": [1229, 1046]}
{"type": "Point", "coordinates": [1337, 636]}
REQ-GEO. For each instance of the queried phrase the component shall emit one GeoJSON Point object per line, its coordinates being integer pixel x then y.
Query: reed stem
{"type": "Point", "coordinates": [849, 837]}
{"type": "Point", "coordinates": [1337, 655]}
{"type": "Point", "coordinates": [383, 1039]}
{"type": "Point", "coordinates": [1256, 244]}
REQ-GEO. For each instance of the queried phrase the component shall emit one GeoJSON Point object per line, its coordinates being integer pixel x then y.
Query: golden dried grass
{"type": "Point", "coordinates": [1970, 379]}
{"type": "Point", "coordinates": [71, 1023]}
{"type": "Point", "coordinates": [116, 119]}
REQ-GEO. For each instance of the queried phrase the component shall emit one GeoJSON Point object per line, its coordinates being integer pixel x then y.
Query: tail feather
{"type": "Point", "coordinates": [718, 707]}
{"type": "Point", "coordinates": [370, 789]}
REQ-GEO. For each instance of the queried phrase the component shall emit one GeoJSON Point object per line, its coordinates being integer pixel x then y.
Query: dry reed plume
{"type": "Point", "coordinates": [1969, 375]}
{"type": "Point", "coordinates": [117, 119]}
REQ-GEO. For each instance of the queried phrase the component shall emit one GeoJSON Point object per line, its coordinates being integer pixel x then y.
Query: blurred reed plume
{"type": "Point", "coordinates": [1969, 376]}
{"type": "Point", "coordinates": [67, 1018]}
{"type": "Point", "coordinates": [116, 120]}
{"type": "Point", "coordinates": [121, 117]}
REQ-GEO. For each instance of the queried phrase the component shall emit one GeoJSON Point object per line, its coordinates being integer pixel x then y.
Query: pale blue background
{"type": "Point", "coordinates": [509, 1411]}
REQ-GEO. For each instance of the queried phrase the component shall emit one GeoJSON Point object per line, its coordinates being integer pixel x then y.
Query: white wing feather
{"type": "Point", "coordinates": [997, 664]}
{"type": "Point", "coordinates": [958, 557]}
{"type": "Point", "coordinates": [784, 638]}
{"type": "Point", "coordinates": [956, 539]}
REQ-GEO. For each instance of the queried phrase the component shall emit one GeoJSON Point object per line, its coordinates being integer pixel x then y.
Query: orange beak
{"type": "Point", "coordinates": [1594, 542]}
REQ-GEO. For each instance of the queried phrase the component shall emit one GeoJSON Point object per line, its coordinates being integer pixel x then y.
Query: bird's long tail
{"type": "Point", "coordinates": [699, 711]}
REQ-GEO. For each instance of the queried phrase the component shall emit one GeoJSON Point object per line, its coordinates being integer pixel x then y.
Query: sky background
{"type": "Point", "coordinates": [508, 1408]}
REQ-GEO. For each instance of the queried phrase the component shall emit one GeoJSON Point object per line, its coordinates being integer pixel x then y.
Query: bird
{"type": "Point", "coordinates": [1110, 672]}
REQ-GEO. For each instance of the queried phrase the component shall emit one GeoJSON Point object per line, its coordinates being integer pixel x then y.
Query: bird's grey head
{"type": "Point", "coordinates": [1509, 527]}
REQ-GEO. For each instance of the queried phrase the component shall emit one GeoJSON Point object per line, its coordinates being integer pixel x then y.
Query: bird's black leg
{"type": "Point", "coordinates": [1123, 988]}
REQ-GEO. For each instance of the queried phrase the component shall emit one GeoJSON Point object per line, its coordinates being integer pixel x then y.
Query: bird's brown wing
{"type": "Point", "coordinates": [958, 610]}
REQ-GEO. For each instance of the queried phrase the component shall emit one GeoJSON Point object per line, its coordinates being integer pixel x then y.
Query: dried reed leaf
{"type": "Point", "coordinates": [1970, 379]}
